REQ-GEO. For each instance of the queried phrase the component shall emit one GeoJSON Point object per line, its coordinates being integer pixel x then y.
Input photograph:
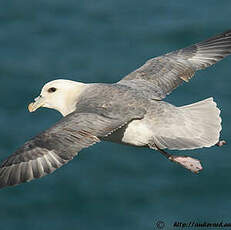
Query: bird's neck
{"type": "Point", "coordinates": [72, 97]}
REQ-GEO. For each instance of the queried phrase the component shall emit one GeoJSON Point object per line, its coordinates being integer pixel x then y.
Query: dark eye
{"type": "Point", "coordinates": [52, 89]}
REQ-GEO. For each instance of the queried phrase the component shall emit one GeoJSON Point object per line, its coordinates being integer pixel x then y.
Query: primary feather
{"type": "Point", "coordinates": [165, 73]}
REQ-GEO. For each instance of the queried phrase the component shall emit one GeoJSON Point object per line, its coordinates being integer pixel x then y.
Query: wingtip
{"type": "Point", "coordinates": [227, 33]}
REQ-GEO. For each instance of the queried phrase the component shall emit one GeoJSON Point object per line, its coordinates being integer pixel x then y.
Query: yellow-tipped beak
{"type": "Point", "coordinates": [39, 101]}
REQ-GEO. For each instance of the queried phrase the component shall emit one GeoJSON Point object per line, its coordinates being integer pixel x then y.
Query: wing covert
{"type": "Point", "coordinates": [56, 146]}
{"type": "Point", "coordinates": [166, 72]}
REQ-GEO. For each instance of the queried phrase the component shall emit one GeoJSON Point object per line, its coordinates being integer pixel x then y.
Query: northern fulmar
{"type": "Point", "coordinates": [130, 111]}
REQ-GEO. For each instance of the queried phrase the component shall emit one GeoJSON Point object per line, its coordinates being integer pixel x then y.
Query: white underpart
{"type": "Point", "coordinates": [137, 133]}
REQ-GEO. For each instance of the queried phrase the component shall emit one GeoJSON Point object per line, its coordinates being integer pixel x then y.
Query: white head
{"type": "Point", "coordinates": [59, 94]}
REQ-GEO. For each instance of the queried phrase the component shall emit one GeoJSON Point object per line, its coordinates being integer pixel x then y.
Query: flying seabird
{"type": "Point", "coordinates": [130, 111]}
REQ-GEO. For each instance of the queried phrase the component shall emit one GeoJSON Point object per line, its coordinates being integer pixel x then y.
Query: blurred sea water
{"type": "Point", "coordinates": [109, 186]}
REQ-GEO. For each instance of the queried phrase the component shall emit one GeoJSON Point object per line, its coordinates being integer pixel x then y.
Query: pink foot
{"type": "Point", "coordinates": [190, 163]}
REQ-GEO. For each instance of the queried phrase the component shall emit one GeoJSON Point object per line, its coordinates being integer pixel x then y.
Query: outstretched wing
{"type": "Point", "coordinates": [56, 146]}
{"type": "Point", "coordinates": [165, 73]}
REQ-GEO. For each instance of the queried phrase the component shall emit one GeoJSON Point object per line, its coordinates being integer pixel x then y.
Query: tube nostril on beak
{"type": "Point", "coordinates": [37, 98]}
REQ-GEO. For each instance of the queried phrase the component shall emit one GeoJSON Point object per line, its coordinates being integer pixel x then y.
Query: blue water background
{"type": "Point", "coordinates": [109, 186]}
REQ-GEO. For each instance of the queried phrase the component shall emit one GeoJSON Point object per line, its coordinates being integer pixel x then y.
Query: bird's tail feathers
{"type": "Point", "coordinates": [198, 125]}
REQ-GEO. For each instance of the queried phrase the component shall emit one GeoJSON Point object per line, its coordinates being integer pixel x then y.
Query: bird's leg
{"type": "Point", "coordinates": [221, 143]}
{"type": "Point", "coordinates": [190, 163]}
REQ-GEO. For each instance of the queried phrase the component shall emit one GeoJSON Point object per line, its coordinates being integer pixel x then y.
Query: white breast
{"type": "Point", "coordinates": [135, 133]}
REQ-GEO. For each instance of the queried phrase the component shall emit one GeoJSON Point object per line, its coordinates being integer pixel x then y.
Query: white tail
{"type": "Point", "coordinates": [197, 125]}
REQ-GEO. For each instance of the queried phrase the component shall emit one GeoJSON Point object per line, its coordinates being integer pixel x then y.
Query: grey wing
{"type": "Point", "coordinates": [165, 73]}
{"type": "Point", "coordinates": [56, 146]}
